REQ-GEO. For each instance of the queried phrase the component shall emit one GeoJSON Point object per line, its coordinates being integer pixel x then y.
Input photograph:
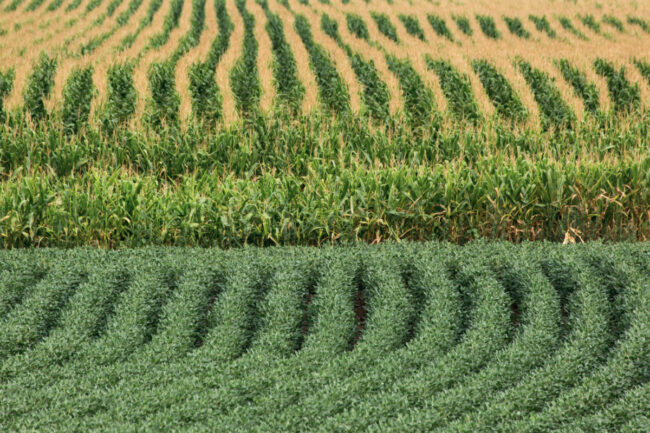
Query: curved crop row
{"type": "Point", "coordinates": [244, 78]}
{"type": "Point", "coordinates": [408, 337]}
{"type": "Point", "coordinates": [331, 87]}
{"type": "Point", "coordinates": [375, 91]}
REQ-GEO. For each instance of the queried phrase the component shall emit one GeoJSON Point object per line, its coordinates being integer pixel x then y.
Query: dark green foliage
{"type": "Point", "coordinates": [614, 22]}
{"type": "Point", "coordinates": [122, 19]}
{"type": "Point", "coordinates": [34, 4]}
{"type": "Point", "coordinates": [121, 97]}
{"type": "Point", "coordinates": [490, 336]}
{"type": "Point", "coordinates": [6, 86]}
{"type": "Point", "coordinates": [463, 24]}
{"type": "Point", "coordinates": [290, 89]}
{"type": "Point", "coordinates": [92, 5]}
{"type": "Point", "coordinates": [170, 23]}
{"type": "Point", "coordinates": [73, 5]}
{"type": "Point", "coordinates": [419, 103]}
{"type": "Point", "coordinates": [555, 111]}
{"type": "Point", "coordinates": [54, 5]}
{"type": "Point", "coordinates": [14, 5]}
{"type": "Point", "coordinates": [542, 25]}
{"type": "Point", "coordinates": [643, 67]}
{"type": "Point", "coordinates": [375, 91]}
{"type": "Point", "coordinates": [500, 92]}
{"type": "Point", "coordinates": [589, 21]}
{"type": "Point", "coordinates": [626, 97]}
{"type": "Point", "coordinates": [244, 78]}
{"type": "Point", "coordinates": [357, 26]}
{"type": "Point", "coordinates": [332, 90]}
{"type": "Point", "coordinates": [206, 98]}
{"type": "Point", "coordinates": [191, 38]}
{"type": "Point", "coordinates": [128, 40]}
{"type": "Point", "coordinates": [439, 26]}
{"type": "Point", "coordinates": [112, 7]}
{"type": "Point", "coordinates": [385, 26]}
{"type": "Point", "coordinates": [566, 24]}
{"type": "Point", "coordinates": [222, 42]}
{"type": "Point", "coordinates": [639, 22]}
{"type": "Point", "coordinates": [330, 27]}
{"type": "Point", "coordinates": [457, 90]}
{"type": "Point", "coordinates": [412, 26]}
{"type": "Point", "coordinates": [488, 26]}
{"type": "Point", "coordinates": [587, 91]}
{"type": "Point", "coordinates": [39, 86]}
{"type": "Point", "coordinates": [77, 97]}
{"type": "Point", "coordinates": [516, 27]}
{"type": "Point", "coordinates": [164, 102]}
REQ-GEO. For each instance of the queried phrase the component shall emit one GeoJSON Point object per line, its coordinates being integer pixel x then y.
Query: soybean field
{"type": "Point", "coordinates": [309, 122]}
{"type": "Point", "coordinates": [407, 337]}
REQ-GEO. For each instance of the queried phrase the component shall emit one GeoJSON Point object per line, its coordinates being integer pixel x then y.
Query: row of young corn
{"type": "Point", "coordinates": [398, 337]}
{"type": "Point", "coordinates": [163, 105]}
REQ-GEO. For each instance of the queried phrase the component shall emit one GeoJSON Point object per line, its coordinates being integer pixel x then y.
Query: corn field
{"type": "Point", "coordinates": [303, 122]}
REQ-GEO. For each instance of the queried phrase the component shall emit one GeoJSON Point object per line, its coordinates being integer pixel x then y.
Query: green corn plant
{"type": "Point", "coordinates": [244, 78]}
{"type": "Point", "coordinates": [191, 38]}
{"type": "Point", "coordinates": [516, 27]}
{"type": "Point", "coordinates": [73, 5]}
{"type": "Point", "coordinates": [164, 103]}
{"type": "Point", "coordinates": [637, 21]}
{"type": "Point", "coordinates": [121, 97]}
{"type": "Point", "coordinates": [92, 5]}
{"type": "Point", "coordinates": [222, 42]}
{"type": "Point", "coordinates": [504, 98]}
{"type": "Point", "coordinates": [13, 5]}
{"type": "Point", "coordinates": [170, 23]}
{"type": "Point", "coordinates": [375, 92]}
{"type": "Point", "coordinates": [566, 24]}
{"type": "Point", "coordinates": [357, 26]}
{"type": "Point", "coordinates": [206, 98]}
{"type": "Point", "coordinates": [332, 90]}
{"type": "Point", "coordinates": [385, 26]}
{"type": "Point", "coordinates": [285, 74]}
{"type": "Point", "coordinates": [542, 25]}
{"type": "Point", "coordinates": [463, 24]}
{"type": "Point", "coordinates": [412, 26]}
{"type": "Point", "coordinates": [34, 4]}
{"type": "Point", "coordinates": [488, 26]}
{"type": "Point", "coordinates": [589, 21]}
{"type": "Point", "coordinates": [587, 91]}
{"type": "Point", "coordinates": [439, 26]}
{"type": "Point", "coordinates": [457, 90]}
{"type": "Point", "coordinates": [419, 102]}
{"type": "Point", "coordinates": [555, 111]}
{"type": "Point", "coordinates": [614, 22]}
{"type": "Point", "coordinates": [77, 97]}
{"type": "Point", "coordinates": [128, 40]}
{"type": "Point", "coordinates": [626, 97]}
{"type": "Point", "coordinates": [6, 86]}
{"type": "Point", "coordinates": [54, 5]}
{"type": "Point", "coordinates": [39, 86]}
{"type": "Point", "coordinates": [643, 67]}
